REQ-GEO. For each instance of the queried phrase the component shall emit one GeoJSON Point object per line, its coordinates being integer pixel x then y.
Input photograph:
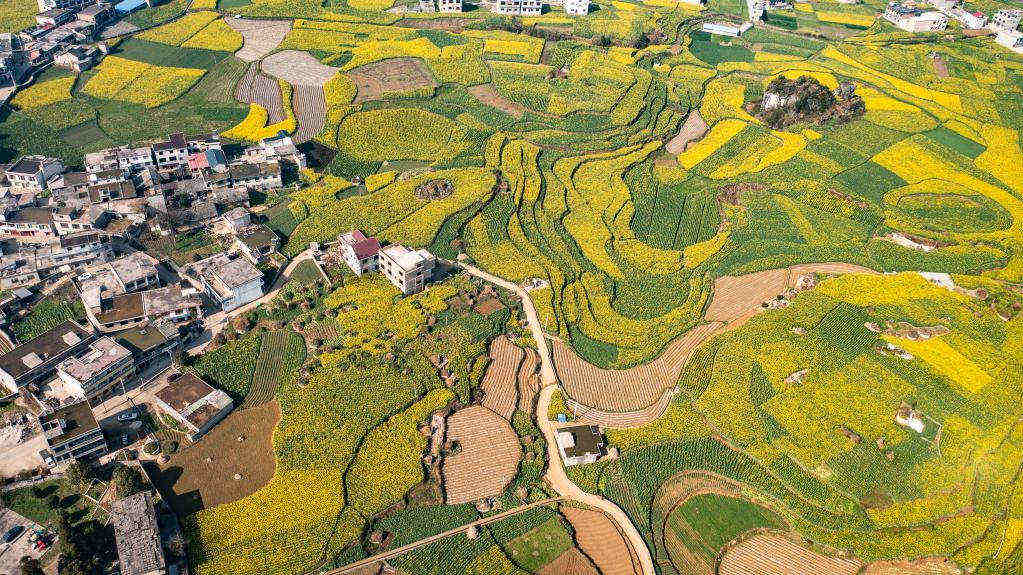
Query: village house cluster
{"type": "Point", "coordinates": [918, 17]}
{"type": "Point", "coordinates": [508, 7]}
{"type": "Point", "coordinates": [55, 222]}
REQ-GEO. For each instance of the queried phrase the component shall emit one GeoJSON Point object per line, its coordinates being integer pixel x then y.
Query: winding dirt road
{"type": "Point", "coordinates": [555, 468]}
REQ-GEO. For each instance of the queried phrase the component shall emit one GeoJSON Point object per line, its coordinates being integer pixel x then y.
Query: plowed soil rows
{"type": "Point", "coordinates": [501, 378]}
{"type": "Point", "coordinates": [373, 81]}
{"type": "Point", "coordinates": [258, 88]}
{"type": "Point", "coordinates": [488, 458]}
{"type": "Point", "coordinates": [776, 554]}
{"type": "Point", "coordinates": [310, 111]}
{"type": "Point", "coordinates": [599, 538]}
{"type": "Point", "coordinates": [529, 380]}
{"type": "Point", "coordinates": [627, 390]}
{"type": "Point", "coordinates": [571, 562]}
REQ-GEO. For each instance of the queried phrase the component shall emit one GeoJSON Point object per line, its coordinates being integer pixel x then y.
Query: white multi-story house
{"type": "Point", "coordinates": [127, 159]}
{"type": "Point", "coordinates": [33, 172]}
{"type": "Point", "coordinates": [408, 270]}
{"type": "Point", "coordinates": [230, 280]}
{"type": "Point", "coordinates": [969, 20]}
{"type": "Point", "coordinates": [172, 152]}
{"type": "Point", "coordinates": [517, 7]}
{"type": "Point", "coordinates": [280, 148]}
{"type": "Point", "coordinates": [72, 5]}
{"type": "Point", "coordinates": [912, 19]}
{"type": "Point", "coordinates": [359, 251]}
{"type": "Point", "coordinates": [580, 444]}
{"type": "Point", "coordinates": [1011, 39]}
{"type": "Point", "coordinates": [98, 372]}
{"type": "Point", "coordinates": [36, 359]}
{"type": "Point", "coordinates": [449, 5]}
{"type": "Point", "coordinates": [945, 5]}
{"type": "Point", "coordinates": [1007, 19]}
{"type": "Point", "coordinates": [577, 7]}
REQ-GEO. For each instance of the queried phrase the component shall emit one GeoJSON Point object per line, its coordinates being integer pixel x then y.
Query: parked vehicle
{"type": "Point", "coordinates": [128, 416]}
{"type": "Point", "coordinates": [13, 533]}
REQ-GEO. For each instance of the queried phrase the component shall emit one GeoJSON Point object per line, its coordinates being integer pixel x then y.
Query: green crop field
{"type": "Point", "coordinates": [622, 164]}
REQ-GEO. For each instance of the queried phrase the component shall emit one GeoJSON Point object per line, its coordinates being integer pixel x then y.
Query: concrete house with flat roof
{"type": "Point", "coordinates": [194, 403]}
{"type": "Point", "coordinates": [257, 242]}
{"type": "Point", "coordinates": [33, 172]}
{"type": "Point", "coordinates": [98, 372]}
{"type": "Point", "coordinates": [36, 359]}
{"type": "Point", "coordinates": [581, 444]}
{"type": "Point", "coordinates": [72, 434]}
{"type": "Point", "coordinates": [408, 270]}
{"type": "Point", "coordinates": [152, 345]}
{"type": "Point", "coordinates": [230, 280]}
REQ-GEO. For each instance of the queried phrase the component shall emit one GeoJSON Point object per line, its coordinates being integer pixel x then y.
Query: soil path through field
{"type": "Point", "coordinates": [375, 559]}
{"type": "Point", "coordinates": [555, 467]}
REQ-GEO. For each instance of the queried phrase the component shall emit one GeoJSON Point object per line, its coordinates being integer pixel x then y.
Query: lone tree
{"type": "Point", "coordinates": [127, 481]}
{"type": "Point", "coordinates": [30, 566]}
{"type": "Point", "coordinates": [76, 475]}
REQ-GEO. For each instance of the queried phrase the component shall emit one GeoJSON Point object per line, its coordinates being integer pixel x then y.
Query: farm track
{"type": "Point", "coordinates": [256, 87]}
{"type": "Point", "coordinates": [528, 381]}
{"type": "Point", "coordinates": [500, 381]}
{"type": "Point", "coordinates": [635, 396]}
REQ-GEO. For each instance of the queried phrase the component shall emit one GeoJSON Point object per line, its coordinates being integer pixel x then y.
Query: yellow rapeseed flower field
{"type": "Point", "coordinates": [44, 93]}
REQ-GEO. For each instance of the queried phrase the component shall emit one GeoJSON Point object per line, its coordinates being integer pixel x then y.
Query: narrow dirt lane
{"type": "Point", "coordinates": [555, 468]}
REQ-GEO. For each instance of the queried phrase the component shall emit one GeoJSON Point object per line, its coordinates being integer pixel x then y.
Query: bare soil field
{"type": "Point", "coordinates": [261, 37]}
{"type": "Point", "coordinates": [310, 111]}
{"type": "Point", "coordinates": [500, 381]}
{"type": "Point", "coordinates": [599, 538]}
{"type": "Point", "coordinates": [374, 81]}
{"type": "Point", "coordinates": [777, 554]}
{"type": "Point", "coordinates": [298, 68]}
{"type": "Point", "coordinates": [635, 396]}
{"type": "Point", "coordinates": [202, 475]}
{"type": "Point", "coordinates": [488, 458]}
{"type": "Point", "coordinates": [256, 87]}
{"type": "Point", "coordinates": [627, 390]}
{"type": "Point", "coordinates": [529, 380]}
{"type": "Point", "coordinates": [488, 95]}
{"type": "Point", "coordinates": [571, 562]}
{"type": "Point", "coordinates": [692, 129]}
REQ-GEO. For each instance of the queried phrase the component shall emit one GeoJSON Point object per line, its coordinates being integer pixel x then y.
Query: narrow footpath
{"type": "Point", "coordinates": [555, 467]}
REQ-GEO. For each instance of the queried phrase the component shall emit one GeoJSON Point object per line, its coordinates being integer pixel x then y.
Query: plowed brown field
{"type": "Point", "coordinates": [489, 456]}
{"type": "Point", "coordinates": [500, 382]}
{"type": "Point", "coordinates": [571, 562]}
{"type": "Point", "coordinates": [777, 554]}
{"type": "Point", "coordinates": [599, 538]}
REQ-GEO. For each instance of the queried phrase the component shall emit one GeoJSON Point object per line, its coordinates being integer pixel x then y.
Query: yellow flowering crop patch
{"type": "Point", "coordinates": [944, 99]}
{"type": "Point", "coordinates": [176, 32]}
{"type": "Point", "coordinates": [159, 85]}
{"type": "Point", "coordinates": [203, 5]}
{"type": "Point", "coordinates": [947, 361]}
{"type": "Point", "coordinates": [723, 99]}
{"type": "Point", "coordinates": [868, 289]}
{"type": "Point", "coordinates": [696, 254]}
{"type": "Point", "coordinates": [718, 136]}
{"type": "Point", "coordinates": [508, 44]}
{"type": "Point", "coordinates": [774, 148]}
{"type": "Point", "coordinates": [376, 5]}
{"type": "Point", "coordinates": [44, 93]}
{"type": "Point", "coordinates": [398, 134]}
{"type": "Point", "coordinates": [217, 36]}
{"type": "Point", "coordinates": [113, 74]}
{"type": "Point", "coordinates": [376, 181]}
{"type": "Point", "coordinates": [861, 20]}
{"type": "Point", "coordinates": [373, 51]}
{"type": "Point", "coordinates": [803, 7]}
